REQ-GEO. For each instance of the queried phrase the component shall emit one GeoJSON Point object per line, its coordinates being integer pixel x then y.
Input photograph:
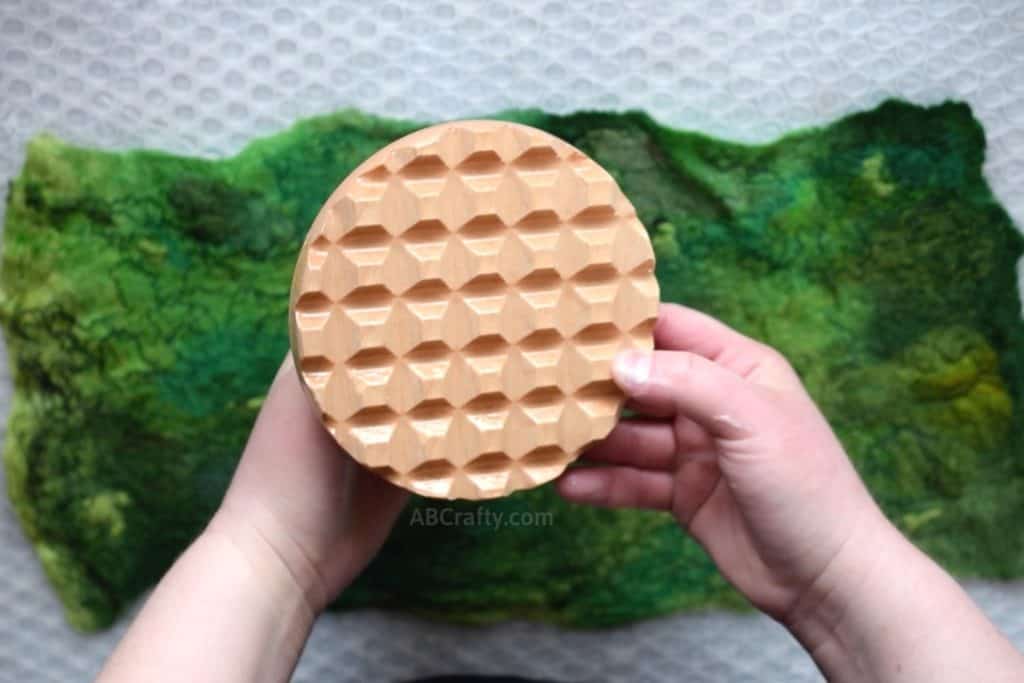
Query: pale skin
{"type": "Point", "coordinates": [728, 442]}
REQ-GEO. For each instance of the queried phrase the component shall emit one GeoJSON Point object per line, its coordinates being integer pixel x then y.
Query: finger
{"type": "Point", "coordinates": [714, 397]}
{"type": "Point", "coordinates": [651, 444]}
{"type": "Point", "coordinates": [691, 437]}
{"type": "Point", "coordinates": [617, 487]}
{"type": "Point", "coordinates": [288, 422]}
{"type": "Point", "coordinates": [647, 444]}
{"type": "Point", "coordinates": [648, 410]}
{"type": "Point", "coordinates": [684, 329]}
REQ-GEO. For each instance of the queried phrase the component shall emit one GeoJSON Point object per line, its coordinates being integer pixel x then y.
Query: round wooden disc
{"type": "Point", "coordinates": [458, 302]}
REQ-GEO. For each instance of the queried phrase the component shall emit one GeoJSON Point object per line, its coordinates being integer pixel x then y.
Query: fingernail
{"type": "Point", "coordinates": [632, 369]}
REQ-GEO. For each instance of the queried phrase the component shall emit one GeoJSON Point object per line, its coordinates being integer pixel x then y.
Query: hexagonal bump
{"type": "Point", "coordinates": [541, 353]}
{"type": "Point", "coordinates": [426, 231]}
{"type": "Point", "coordinates": [598, 243]}
{"type": "Point", "coordinates": [313, 302]}
{"type": "Point", "coordinates": [316, 370]}
{"type": "Point", "coordinates": [372, 366]}
{"type": "Point", "coordinates": [430, 351]}
{"type": "Point", "coordinates": [363, 250]}
{"type": "Point", "coordinates": [600, 295]}
{"type": "Point", "coordinates": [484, 226]}
{"type": "Point", "coordinates": [373, 416]}
{"type": "Point", "coordinates": [312, 310]}
{"type": "Point", "coordinates": [544, 463]}
{"type": "Point", "coordinates": [481, 163]}
{"type": "Point", "coordinates": [431, 414]}
{"type": "Point", "coordinates": [427, 291]}
{"type": "Point", "coordinates": [596, 216]}
{"type": "Point", "coordinates": [601, 189]}
{"type": "Point", "coordinates": [377, 175]}
{"type": "Point", "coordinates": [642, 335]}
{"type": "Point", "coordinates": [539, 220]}
{"type": "Point", "coordinates": [430, 362]}
{"type": "Point", "coordinates": [544, 407]}
{"type": "Point", "coordinates": [372, 426]}
{"type": "Point", "coordinates": [538, 158]}
{"type": "Point", "coordinates": [598, 343]}
{"type": "Point", "coordinates": [365, 237]}
{"type": "Point", "coordinates": [368, 297]}
{"type": "Point", "coordinates": [540, 280]}
{"type": "Point", "coordinates": [483, 250]}
{"type": "Point", "coordinates": [541, 340]}
{"type": "Point", "coordinates": [487, 345]}
{"type": "Point", "coordinates": [487, 413]}
{"type": "Point", "coordinates": [487, 286]}
{"type": "Point", "coordinates": [431, 420]}
{"type": "Point", "coordinates": [424, 167]}
{"type": "Point", "coordinates": [598, 334]}
{"type": "Point", "coordinates": [493, 402]}
{"type": "Point", "coordinates": [597, 274]}
{"type": "Point", "coordinates": [367, 308]}
{"type": "Point", "coordinates": [432, 478]}
{"type": "Point", "coordinates": [543, 397]}
{"type": "Point", "coordinates": [318, 251]}
{"type": "Point", "coordinates": [601, 400]}
{"type": "Point", "coordinates": [599, 390]}
{"type": "Point", "coordinates": [490, 472]}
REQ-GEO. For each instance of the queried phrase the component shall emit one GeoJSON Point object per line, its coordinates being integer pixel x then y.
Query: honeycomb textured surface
{"type": "Point", "coordinates": [207, 76]}
{"type": "Point", "coordinates": [458, 302]}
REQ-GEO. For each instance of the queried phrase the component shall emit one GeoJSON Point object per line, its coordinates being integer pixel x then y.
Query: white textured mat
{"type": "Point", "coordinates": [204, 76]}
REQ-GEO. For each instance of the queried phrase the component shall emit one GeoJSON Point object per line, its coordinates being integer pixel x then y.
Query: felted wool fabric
{"type": "Point", "coordinates": [144, 300]}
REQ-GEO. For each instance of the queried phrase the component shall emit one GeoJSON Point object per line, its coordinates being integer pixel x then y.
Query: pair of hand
{"type": "Point", "coordinates": [730, 444]}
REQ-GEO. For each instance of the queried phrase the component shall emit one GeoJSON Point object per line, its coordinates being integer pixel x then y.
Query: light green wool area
{"type": "Point", "coordinates": [144, 302]}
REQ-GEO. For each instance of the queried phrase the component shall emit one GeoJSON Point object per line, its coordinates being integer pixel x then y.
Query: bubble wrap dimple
{"type": "Point", "coordinates": [204, 76]}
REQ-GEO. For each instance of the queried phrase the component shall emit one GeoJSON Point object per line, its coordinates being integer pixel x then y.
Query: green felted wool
{"type": "Point", "coordinates": [144, 301]}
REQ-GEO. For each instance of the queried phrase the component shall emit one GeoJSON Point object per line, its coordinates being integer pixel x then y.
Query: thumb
{"type": "Point", "coordinates": [683, 383]}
